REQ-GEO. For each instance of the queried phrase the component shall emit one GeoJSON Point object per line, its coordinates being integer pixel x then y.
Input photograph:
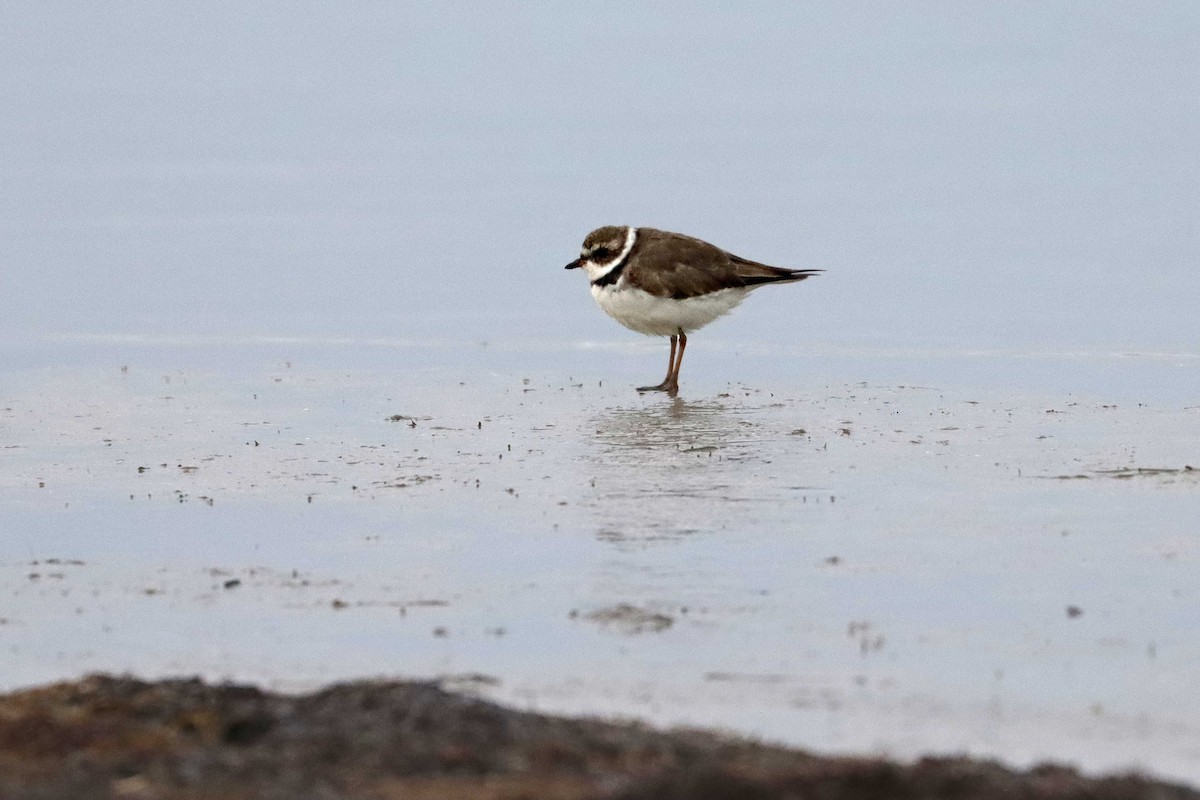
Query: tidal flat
{"type": "Point", "coordinates": [900, 555]}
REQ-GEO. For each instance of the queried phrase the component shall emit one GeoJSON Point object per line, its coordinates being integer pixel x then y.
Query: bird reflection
{"type": "Point", "coordinates": [677, 423]}
{"type": "Point", "coordinates": [667, 470]}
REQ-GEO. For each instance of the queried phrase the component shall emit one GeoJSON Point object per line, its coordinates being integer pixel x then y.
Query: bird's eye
{"type": "Point", "coordinates": [601, 253]}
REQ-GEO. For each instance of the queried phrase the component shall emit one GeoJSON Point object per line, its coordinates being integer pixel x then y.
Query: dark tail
{"type": "Point", "coordinates": [777, 275]}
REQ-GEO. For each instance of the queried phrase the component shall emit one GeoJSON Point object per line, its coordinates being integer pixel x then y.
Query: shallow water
{"type": "Point", "coordinates": [945, 566]}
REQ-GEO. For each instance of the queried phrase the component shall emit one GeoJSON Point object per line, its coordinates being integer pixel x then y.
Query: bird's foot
{"type": "Point", "coordinates": [668, 386]}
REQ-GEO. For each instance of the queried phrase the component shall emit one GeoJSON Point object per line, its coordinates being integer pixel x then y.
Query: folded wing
{"type": "Point", "coordinates": [678, 266]}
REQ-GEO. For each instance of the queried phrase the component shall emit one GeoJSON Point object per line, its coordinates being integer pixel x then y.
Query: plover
{"type": "Point", "coordinates": [666, 284]}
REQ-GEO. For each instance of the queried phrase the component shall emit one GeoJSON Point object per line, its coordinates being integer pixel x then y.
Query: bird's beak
{"type": "Point", "coordinates": [576, 264]}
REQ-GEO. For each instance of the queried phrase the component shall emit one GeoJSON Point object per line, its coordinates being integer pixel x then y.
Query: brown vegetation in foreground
{"type": "Point", "coordinates": [105, 737]}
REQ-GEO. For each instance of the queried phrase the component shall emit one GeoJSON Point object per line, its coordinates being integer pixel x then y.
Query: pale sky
{"type": "Point", "coordinates": [1017, 174]}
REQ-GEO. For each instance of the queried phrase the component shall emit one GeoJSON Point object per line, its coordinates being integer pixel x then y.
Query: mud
{"type": "Point", "coordinates": [107, 737]}
{"type": "Point", "coordinates": [854, 556]}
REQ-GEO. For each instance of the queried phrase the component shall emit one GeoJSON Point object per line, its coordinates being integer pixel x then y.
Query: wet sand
{"type": "Point", "coordinates": [897, 556]}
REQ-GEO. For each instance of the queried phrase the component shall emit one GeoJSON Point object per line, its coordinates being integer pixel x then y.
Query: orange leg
{"type": "Point", "coordinates": [673, 386]}
{"type": "Point", "coordinates": [666, 384]}
{"type": "Point", "coordinates": [670, 384]}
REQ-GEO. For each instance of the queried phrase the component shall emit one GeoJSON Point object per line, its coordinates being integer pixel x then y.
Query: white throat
{"type": "Point", "coordinates": [597, 271]}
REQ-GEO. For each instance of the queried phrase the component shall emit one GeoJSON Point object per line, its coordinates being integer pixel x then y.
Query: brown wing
{"type": "Point", "coordinates": [673, 265]}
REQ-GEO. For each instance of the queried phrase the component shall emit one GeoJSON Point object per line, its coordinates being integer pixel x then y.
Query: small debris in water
{"type": "Point", "coordinates": [630, 618]}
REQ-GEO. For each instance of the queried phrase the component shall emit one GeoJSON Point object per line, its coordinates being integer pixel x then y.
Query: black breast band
{"type": "Point", "coordinates": [613, 275]}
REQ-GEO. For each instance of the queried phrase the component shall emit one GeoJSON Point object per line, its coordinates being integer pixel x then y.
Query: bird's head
{"type": "Point", "coordinates": [604, 249]}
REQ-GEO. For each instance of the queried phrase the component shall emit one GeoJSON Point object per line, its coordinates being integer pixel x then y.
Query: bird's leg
{"type": "Point", "coordinates": [666, 384]}
{"type": "Point", "coordinates": [673, 378]}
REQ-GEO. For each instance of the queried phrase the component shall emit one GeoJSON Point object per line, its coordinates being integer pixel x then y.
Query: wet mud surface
{"type": "Point", "coordinates": [922, 560]}
{"type": "Point", "coordinates": [106, 737]}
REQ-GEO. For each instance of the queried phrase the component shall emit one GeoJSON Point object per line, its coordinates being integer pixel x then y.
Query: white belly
{"type": "Point", "coordinates": [663, 316]}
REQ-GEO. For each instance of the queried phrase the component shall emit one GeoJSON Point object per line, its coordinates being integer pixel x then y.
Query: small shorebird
{"type": "Point", "coordinates": [667, 284]}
